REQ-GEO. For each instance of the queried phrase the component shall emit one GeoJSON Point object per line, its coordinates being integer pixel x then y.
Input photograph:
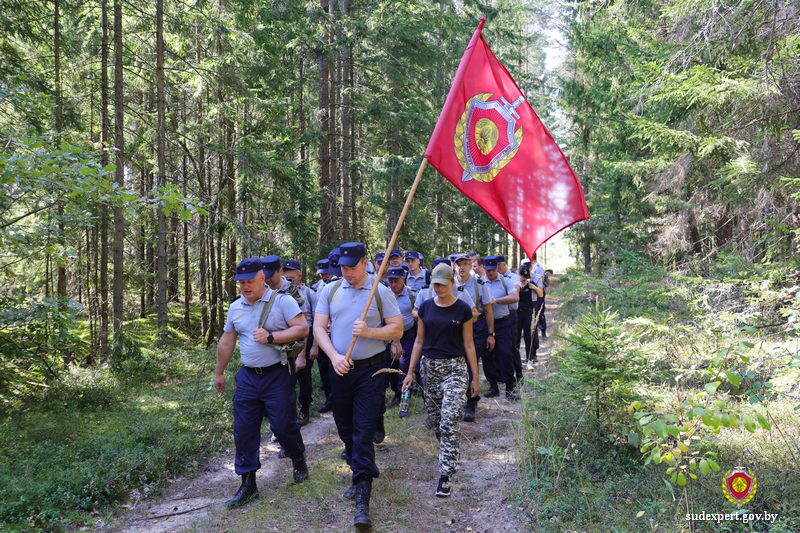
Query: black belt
{"type": "Point", "coordinates": [376, 359]}
{"type": "Point", "coordinates": [512, 311]}
{"type": "Point", "coordinates": [496, 320]}
{"type": "Point", "coordinates": [412, 328]}
{"type": "Point", "coordinates": [265, 369]}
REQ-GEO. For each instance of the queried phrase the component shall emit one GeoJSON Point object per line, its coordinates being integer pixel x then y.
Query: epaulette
{"type": "Point", "coordinates": [384, 282]}
{"type": "Point", "coordinates": [426, 287]}
{"type": "Point", "coordinates": [331, 280]}
{"type": "Point", "coordinates": [234, 299]}
{"type": "Point", "coordinates": [480, 281]}
{"type": "Point", "coordinates": [460, 288]}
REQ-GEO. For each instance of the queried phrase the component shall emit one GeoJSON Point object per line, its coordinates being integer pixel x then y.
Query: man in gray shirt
{"type": "Point", "coordinates": [264, 386]}
{"type": "Point", "coordinates": [356, 392]}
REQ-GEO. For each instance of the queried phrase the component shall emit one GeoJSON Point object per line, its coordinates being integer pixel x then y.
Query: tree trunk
{"type": "Point", "coordinates": [345, 154]}
{"type": "Point", "coordinates": [105, 135]}
{"type": "Point", "coordinates": [119, 176]}
{"type": "Point", "coordinates": [326, 223]}
{"type": "Point", "coordinates": [587, 237]}
{"type": "Point", "coordinates": [161, 299]}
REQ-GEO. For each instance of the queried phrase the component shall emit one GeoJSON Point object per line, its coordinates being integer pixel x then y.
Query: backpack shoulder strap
{"type": "Point", "coordinates": [336, 285]}
{"type": "Point", "coordinates": [503, 280]}
{"type": "Point", "coordinates": [262, 321]}
{"type": "Point", "coordinates": [411, 295]}
{"type": "Point", "coordinates": [475, 282]}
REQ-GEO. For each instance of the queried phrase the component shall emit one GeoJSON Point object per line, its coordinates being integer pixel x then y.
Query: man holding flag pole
{"type": "Point", "coordinates": [489, 143]}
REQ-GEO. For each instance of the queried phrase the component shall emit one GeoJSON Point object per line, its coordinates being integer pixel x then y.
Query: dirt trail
{"type": "Point", "coordinates": [403, 496]}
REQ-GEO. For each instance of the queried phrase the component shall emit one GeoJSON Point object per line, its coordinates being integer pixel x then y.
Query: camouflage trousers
{"type": "Point", "coordinates": [446, 383]}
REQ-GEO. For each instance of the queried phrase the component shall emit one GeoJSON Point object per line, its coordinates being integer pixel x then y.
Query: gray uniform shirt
{"type": "Point", "coordinates": [404, 303]}
{"type": "Point", "coordinates": [512, 279]}
{"type": "Point", "coordinates": [483, 292]}
{"type": "Point", "coordinates": [346, 307]}
{"type": "Point", "coordinates": [497, 291]}
{"type": "Point", "coordinates": [428, 293]}
{"type": "Point", "coordinates": [243, 319]}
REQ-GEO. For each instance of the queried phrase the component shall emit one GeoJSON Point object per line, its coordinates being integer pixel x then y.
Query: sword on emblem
{"type": "Point", "coordinates": [508, 111]}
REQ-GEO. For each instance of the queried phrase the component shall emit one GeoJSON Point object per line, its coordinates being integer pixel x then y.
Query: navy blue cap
{"type": "Point", "coordinates": [501, 259]}
{"type": "Point", "coordinates": [333, 265]}
{"type": "Point", "coordinates": [379, 256]}
{"type": "Point", "coordinates": [248, 268]}
{"type": "Point", "coordinates": [351, 253]}
{"type": "Point", "coordinates": [394, 252]}
{"type": "Point", "coordinates": [411, 254]}
{"type": "Point", "coordinates": [270, 264]}
{"type": "Point", "coordinates": [525, 270]}
{"type": "Point", "coordinates": [396, 273]}
{"type": "Point", "coordinates": [291, 265]}
{"type": "Point", "coordinates": [459, 257]}
{"type": "Point", "coordinates": [440, 260]}
{"type": "Point", "coordinates": [322, 266]}
{"type": "Point", "coordinates": [490, 262]}
{"type": "Point", "coordinates": [452, 257]}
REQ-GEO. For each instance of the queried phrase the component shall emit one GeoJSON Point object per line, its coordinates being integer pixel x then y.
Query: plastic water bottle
{"type": "Point", "coordinates": [404, 403]}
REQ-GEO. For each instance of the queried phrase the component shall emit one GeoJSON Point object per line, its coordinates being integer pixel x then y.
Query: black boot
{"type": "Point", "coordinates": [247, 491]}
{"type": "Point", "coordinates": [300, 467]}
{"type": "Point", "coordinates": [363, 491]}
{"type": "Point", "coordinates": [350, 493]}
{"type": "Point", "coordinates": [304, 418]}
{"type": "Point", "coordinates": [493, 390]}
{"type": "Point", "coordinates": [469, 410]}
{"type": "Point", "coordinates": [325, 407]}
{"type": "Point", "coordinates": [380, 432]}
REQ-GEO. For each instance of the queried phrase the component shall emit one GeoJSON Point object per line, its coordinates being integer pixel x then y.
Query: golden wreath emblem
{"type": "Point", "coordinates": [486, 138]}
{"type": "Point", "coordinates": [739, 485]}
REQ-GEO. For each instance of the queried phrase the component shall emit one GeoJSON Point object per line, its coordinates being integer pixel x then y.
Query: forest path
{"type": "Point", "coordinates": [403, 497]}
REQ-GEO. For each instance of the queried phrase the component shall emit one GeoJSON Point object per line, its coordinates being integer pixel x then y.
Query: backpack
{"type": "Point", "coordinates": [294, 291]}
{"type": "Point", "coordinates": [412, 295]}
{"type": "Point", "coordinates": [378, 299]}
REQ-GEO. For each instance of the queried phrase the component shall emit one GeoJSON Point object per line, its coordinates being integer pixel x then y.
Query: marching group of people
{"type": "Point", "coordinates": [431, 325]}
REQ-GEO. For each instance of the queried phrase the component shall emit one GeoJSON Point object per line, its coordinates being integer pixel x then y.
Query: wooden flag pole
{"type": "Point", "coordinates": [385, 262]}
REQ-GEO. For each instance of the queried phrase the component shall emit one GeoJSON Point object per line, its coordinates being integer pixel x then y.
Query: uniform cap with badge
{"type": "Point", "coordinates": [490, 262]}
{"type": "Point", "coordinates": [441, 260]}
{"type": "Point", "coordinates": [248, 268]}
{"type": "Point", "coordinates": [291, 264]}
{"type": "Point", "coordinates": [270, 264]}
{"type": "Point", "coordinates": [379, 256]}
{"type": "Point", "coordinates": [395, 252]}
{"type": "Point", "coordinates": [333, 263]}
{"type": "Point", "coordinates": [351, 253]}
{"type": "Point", "coordinates": [396, 273]}
{"type": "Point", "coordinates": [411, 254]}
{"type": "Point", "coordinates": [322, 266]}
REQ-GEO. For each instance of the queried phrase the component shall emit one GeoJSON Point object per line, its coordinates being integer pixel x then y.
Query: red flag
{"type": "Point", "coordinates": [490, 144]}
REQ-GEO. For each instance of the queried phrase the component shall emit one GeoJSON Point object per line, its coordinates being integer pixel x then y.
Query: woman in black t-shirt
{"type": "Point", "coordinates": [444, 341]}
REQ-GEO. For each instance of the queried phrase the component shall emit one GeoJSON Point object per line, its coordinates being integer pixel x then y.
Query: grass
{"type": "Point", "coordinates": [73, 452]}
{"type": "Point", "coordinates": [578, 475]}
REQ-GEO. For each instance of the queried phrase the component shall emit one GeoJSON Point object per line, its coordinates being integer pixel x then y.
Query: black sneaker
{"type": "Point", "coordinates": [443, 490]}
{"type": "Point", "coordinates": [394, 403]}
{"type": "Point", "coordinates": [343, 455]}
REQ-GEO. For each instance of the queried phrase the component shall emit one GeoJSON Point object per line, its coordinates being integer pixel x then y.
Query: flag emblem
{"type": "Point", "coordinates": [486, 136]}
{"type": "Point", "coordinates": [739, 485]}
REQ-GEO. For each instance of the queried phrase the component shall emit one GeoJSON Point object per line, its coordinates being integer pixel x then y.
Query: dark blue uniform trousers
{"type": "Point", "coordinates": [497, 364]}
{"type": "Point", "coordinates": [304, 376]}
{"type": "Point", "coordinates": [269, 394]}
{"type": "Point", "coordinates": [480, 332]}
{"type": "Point", "coordinates": [531, 337]}
{"type": "Point", "coordinates": [356, 400]}
{"type": "Point", "coordinates": [324, 364]}
{"type": "Point", "coordinates": [407, 342]}
{"type": "Point", "coordinates": [539, 303]}
{"type": "Point", "coordinates": [515, 338]}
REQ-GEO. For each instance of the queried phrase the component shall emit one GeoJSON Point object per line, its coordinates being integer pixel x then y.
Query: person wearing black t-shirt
{"type": "Point", "coordinates": [529, 290]}
{"type": "Point", "coordinates": [444, 341]}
